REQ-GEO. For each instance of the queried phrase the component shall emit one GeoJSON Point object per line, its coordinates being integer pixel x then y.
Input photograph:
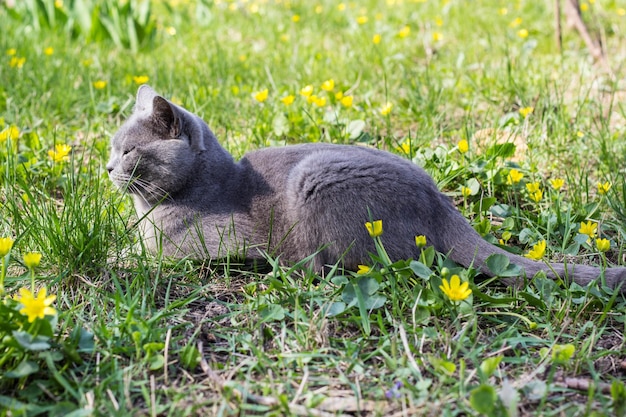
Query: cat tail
{"type": "Point", "coordinates": [471, 250]}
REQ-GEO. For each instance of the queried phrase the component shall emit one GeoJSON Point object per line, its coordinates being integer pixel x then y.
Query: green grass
{"type": "Point", "coordinates": [138, 335]}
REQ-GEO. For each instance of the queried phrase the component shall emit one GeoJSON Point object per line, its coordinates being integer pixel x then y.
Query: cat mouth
{"type": "Point", "coordinates": [137, 186]}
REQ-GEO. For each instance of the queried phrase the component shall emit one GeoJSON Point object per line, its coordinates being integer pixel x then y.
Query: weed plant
{"type": "Point", "coordinates": [528, 141]}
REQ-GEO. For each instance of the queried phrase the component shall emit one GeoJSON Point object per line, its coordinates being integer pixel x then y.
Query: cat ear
{"type": "Point", "coordinates": [145, 95]}
{"type": "Point", "coordinates": [166, 115]}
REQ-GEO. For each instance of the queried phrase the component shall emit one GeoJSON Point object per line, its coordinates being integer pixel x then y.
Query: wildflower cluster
{"type": "Point", "coordinates": [28, 315]}
{"type": "Point", "coordinates": [329, 94]}
{"type": "Point", "coordinates": [451, 291]}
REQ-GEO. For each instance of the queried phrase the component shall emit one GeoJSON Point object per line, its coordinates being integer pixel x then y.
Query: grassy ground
{"type": "Point", "coordinates": [138, 335]}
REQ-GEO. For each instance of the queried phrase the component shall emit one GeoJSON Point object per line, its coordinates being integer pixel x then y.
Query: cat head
{"type": "Point", "coordinates": [153, 152]}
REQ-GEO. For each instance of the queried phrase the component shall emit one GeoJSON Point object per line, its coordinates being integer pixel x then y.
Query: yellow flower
{"type": "Point", "coordinates": [361, 20]}
{"type": "Point", "coordinates": [140, 79]}
{"type": "Point", "coordinates": [584, 7]}
{"type": "Point", "coordinates": [363, 269]}
{"type": "Point", "coordinates": [466, 191]}
{"type": "Point", "coordinates": [514, 177]}
{"type": "Point", "coordinates": [420, 241]}
{"type": "Point", "coordinates": [404, 32]}
{"type": "Point", "coordinates": [328, 85]}
{"type": "Point", "coordinates": [58, 4]}
{"type": "Point", "coordinates": [261, 96]}
{"type": "Point", "coordinates": [515, 22]}
{"type": "Point", "coordinates": [288, 100]}
{"type": "Point", "coordinates": [295, 18]}
{"type": "Point", "coordinates": [538, 250]}
{"type": "Point", "coordinates": [37, 307]}
{"type": "Point", "coordinates": [603, 245]}
{"type": "Point", "coordinates": [557, 183]}
{"type": "Point", "coordinates": [463, 146]}
{"type": "Point", "coordinates": [438, 21]}
{"type": "Point", "coordinates": [374, 228]}
{"type": "Point", "coordinates": [526, 111]}
{"type": "Point", "coordinates": [17, 62]}
{"type": "Point", "coordinates": [170, 30]}
{"type": "Point", "coordinates": [306, 91]}
{"type": "Point", "coordinates": [60, 153]}
{"type": "Point", "coordinates": [580, 134]}
{"type": "Point", "coordinates": [6, 243]}
{"type": "Point", "coordinates": [589, 228]}
{"type": "Point", "coordinates": [48, 51]}
{"type": "Point", "coordinates": [11, 51]}
{"type": "Point", "coordinates": [532, 187]}
{"type": "Point", "coordinates": [12, 132]}
{"type": "Point", "coordinates": [522, 33]}
{"type": "Point", "coordinates": [437, 36]}
{"type": "Point", "coordinates": [503, 11]}
{"type": "Point", "coordinates": [536, 196]}
{"type": "Point", "coordinates": [405, 147]}
{"type": "Point", "coordinates": [386, 109]}
{"type": "Point", "coordinates": [604, 188]}
{"type": "Point", "coordinates": [32, 259]}
{"type": "Point", "coordinates": [99, 85]}
{"type": "Point", "coordinates": [621, 12]}
{"type": "Point", "coordinates": [341, 7]}
{"type": "Point", "coordinates": [319, 101]}
{"type": "Point", "coordinates": [346, 101]}
{"type": "Point", "coordinates": [455, 290]}
{"type": "Point", "coordinates": [376, 39]}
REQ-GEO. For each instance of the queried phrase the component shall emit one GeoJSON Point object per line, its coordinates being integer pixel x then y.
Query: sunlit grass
{"type": "Point", "coordinates": [528, 143]}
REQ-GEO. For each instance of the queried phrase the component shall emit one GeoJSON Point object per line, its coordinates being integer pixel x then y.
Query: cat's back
{"type": "Point", "coordinates": [325, 172]}
{"type": "Point", "coordinates": [282, 160]}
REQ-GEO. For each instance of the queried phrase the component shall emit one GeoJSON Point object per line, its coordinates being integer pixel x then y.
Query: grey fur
{"type": "Point", "coordinates": [195, 200]}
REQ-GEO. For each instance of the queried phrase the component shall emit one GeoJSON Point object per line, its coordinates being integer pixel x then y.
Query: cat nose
{"type": "Point", "coordinates": [109, 168]}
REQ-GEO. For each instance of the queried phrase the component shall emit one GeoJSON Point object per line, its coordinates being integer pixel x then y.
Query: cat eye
{"type": "Point", "coordinates": [127, 151]}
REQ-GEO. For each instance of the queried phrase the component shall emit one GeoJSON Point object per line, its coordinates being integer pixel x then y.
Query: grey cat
{"type": "Point", "coordinates": [294, 201]}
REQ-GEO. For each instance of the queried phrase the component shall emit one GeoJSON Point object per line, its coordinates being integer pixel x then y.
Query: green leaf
{"type": "Point", "coordinates": [484, 205]}
{"type": "Point", "coordinates": [16, 406]}
{"type": "Point", "coordinates": [502, 150]}
{"type": "Point", "coordinates": [497, 263]}
{"type": "Point", "coordinates": [501, 266]}
{"type": "Point", "coordinates": [85, 341]}
{"type": "Point", "coordinates": [81, 412]}
{"type": "Point", "coordinates": [25, 368]}
{"type": "Point", "coordinates": [367, 287]}
{"type": "Point", "coordinates": [618, 394]}
{"type": "Point", "coordinates": [532, 300]}
{"type": "Point", "coordinates": [572, 249]}
{"type": "Point", "coordinates": [581, 238]}
{"type": "Point", "coordinates": [272, 312]}
{"type": "Point", "coordinates": [153, 347]}
{"type": "Point", "coordinates": [190, 357]}
{"type": "Point", "coordinates": [489, 365]}
{"type": "Point", "coordinates": [336, 308]}
{"type": "Point", "coordinates": [442, 365]}
{"type": "Point", "coordinates": [157, 362]}
{"type": "Point", "coordinates": [420, 269]}
{"type": "Point", "coordinates": [30, 342]}
{"type": "Point", "coordinates": [483, 399]}
{"type": "Point", "coordinates": [340, 280]}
